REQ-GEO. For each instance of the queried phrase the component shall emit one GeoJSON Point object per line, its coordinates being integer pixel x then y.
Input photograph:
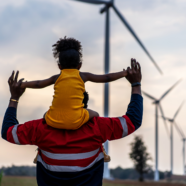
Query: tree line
{"type": "Point", "coordinates": [117, 173]}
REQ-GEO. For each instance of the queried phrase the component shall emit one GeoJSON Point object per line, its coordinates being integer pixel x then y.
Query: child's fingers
{"type": "Point", "coordinates": [124, 72]}
{"type": "Point", "coordinates": [20, 82]}
{"type": "Point", "coordinates": [129, 70]}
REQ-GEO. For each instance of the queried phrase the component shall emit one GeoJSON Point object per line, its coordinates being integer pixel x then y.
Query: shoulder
{"type": "Point", "coordinates": [25, 133]}
{"type": "Point", "coordinates": [55, 77]}
{"type": "Point", "coordinates": [86, 76]}
{"type": "Point", "coordinates": [113, 128]}
{"type": "Point", "coordinates": [83, 76]}
{"type": "Point", "coordinates": [32, 124]}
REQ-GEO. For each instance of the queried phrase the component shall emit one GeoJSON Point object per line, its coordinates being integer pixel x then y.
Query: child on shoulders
{"type": "Point", "coordinates": [66, 111]}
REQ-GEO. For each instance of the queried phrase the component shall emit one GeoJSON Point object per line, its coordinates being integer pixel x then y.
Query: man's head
{"type": "Point", "coordinates": [68, 52]}
{"type": "Point", "coordinates": [85, 100]}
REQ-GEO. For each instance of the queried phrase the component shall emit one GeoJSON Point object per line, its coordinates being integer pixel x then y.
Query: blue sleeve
{"type": "Point", "coordinates": [135, 110]}
{"type": "Point", "coordinates": [10, 119]}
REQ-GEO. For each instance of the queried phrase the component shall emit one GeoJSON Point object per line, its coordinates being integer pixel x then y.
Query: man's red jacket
{"type": "Point", "coordinates": [72, 157]}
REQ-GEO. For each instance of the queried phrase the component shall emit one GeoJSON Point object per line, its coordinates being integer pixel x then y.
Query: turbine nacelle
{"type": "Point", "coordinates": [155, 102]}
{"type": "Point", "coordinates": [110, 4]}
{"type": "Point", "coordinates": [171, 120]}
{"type": "Point", "coordinates": [106, 7]}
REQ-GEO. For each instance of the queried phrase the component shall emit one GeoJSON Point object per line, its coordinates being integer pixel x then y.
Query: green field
{"type": "Point", "coordinates": [18, 181]}
{"type": "Point", "coordinates": [31, 181]}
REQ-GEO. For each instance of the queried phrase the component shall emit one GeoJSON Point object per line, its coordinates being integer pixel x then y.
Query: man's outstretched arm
{"type": "Point", "coordinates": [10, 117]}
{"type": "Point", "coordinates": [135, 108]}
{"type": "Point", "coordinates": [11, 130]}
{"type": "Point", "coordinates": [115, 128]}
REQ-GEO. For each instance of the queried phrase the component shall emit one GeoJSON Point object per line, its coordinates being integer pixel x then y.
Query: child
{"type": "Point", "coordinates": [66, 111]}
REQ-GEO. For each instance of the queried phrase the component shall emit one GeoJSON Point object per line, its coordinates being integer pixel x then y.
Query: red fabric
{"type": "Point", "coordinates": [85, 139]}
{"type": "Point", "coordinates": [79, 162]}
{"type": "Point", "coordinates": [110, 128]}
{"type": "Point", "coordinates": [9, 135]}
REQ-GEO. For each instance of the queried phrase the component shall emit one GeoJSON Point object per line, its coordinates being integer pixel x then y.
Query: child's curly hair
{"type": "Point", "coordinates": [68, 52]}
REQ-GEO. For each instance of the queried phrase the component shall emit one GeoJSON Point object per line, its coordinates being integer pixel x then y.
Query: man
{"type": "Point", "coordinates": [72, 157]}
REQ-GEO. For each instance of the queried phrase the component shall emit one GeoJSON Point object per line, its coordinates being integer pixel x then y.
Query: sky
{"type": "Point", "coordinates": [30, 28]}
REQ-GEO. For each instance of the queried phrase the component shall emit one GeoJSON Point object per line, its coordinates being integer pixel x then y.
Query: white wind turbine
{"type": "Point", "coordinates": [183, 151]}
{"type": "Point", "coordinates": [107, 6]}
{"type": "Point", "coordinates": [172, 122]}
{"type": "Point", "coordinates": [158, 105]}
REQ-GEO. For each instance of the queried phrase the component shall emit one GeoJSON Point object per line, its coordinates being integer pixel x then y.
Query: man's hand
{"type": "Point", "coordinates": [15, 87]}
{"type": "Point", "coordinates": [134, 73]}
{"type": "Point", "coordinates": [134, 76]}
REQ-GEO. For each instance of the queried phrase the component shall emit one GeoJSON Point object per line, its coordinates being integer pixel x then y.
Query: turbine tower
{"type": "Point", "coordinates": [158, 105]}
{"type": "Point", "coordinates": [107, 6]}
{"type": "Point", "coordinates": [172, 121]}
{"type": "Point", "coordinates": [183, 139]}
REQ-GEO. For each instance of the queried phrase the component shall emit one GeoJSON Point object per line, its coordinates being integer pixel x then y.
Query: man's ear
{"type": "Point", "coordinates": [79, 66]}
{"type": "Point", "coordinates": [59, 66]}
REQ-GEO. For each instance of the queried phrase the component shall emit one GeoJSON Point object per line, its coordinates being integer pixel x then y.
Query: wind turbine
{"type": "Point", "coordinates": [172, 121]}
{"type": "Point", "coordinates": [110, 4]}
{"type": "Point", "coordinates": [158, 105]}
{"type": "Point", "coordinates": [107, 6]}
{"type": "Point", "coordinates": [183, 139]}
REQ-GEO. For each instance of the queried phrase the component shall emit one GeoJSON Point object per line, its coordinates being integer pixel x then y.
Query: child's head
{"type": "Point", "coordinates": [68, 52]}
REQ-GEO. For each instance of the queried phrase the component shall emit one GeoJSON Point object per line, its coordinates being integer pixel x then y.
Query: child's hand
{"type": "Point", "coordinates": [23, 84]}
{"type": "Point", "coordinates": [125, 73]}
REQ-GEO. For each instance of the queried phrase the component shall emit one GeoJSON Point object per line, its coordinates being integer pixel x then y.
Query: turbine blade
{"type": "Point", "coordinates": [164, 119]}
{"type": "Point", "coordinates": [93, 1]}
{"type": "Point", "coordinates": [178, 110]}
{"type": "Point", "coordinates": [149, 96]}
{"type": "Point", "coordinates": [179, 130]}
{"type": "Point", "coordinates": [135, 36]}
{"type": "Point", "coordinates": [169, 90]}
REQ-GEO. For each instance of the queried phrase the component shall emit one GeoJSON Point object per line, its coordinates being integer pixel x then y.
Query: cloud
{"type": "Point", "coordinates": [28, 25]}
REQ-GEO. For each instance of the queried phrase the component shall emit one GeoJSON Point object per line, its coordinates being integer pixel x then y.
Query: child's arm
{"type": "Point", "coordinates": [40, 83]}
{"type": "Point", "coordinates": [103, 78]}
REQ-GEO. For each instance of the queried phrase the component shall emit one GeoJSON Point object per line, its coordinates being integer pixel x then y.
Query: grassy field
{"type": "Point", "coordinates": [18, 181]}
{"type": "Point", "coordinates": [136, 183]}
{"type": "Point", "coordinates": [31, 181]}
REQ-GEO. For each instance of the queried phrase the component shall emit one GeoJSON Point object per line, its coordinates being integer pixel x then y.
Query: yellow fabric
{"type": "Point", "coordinates": [67, 110]}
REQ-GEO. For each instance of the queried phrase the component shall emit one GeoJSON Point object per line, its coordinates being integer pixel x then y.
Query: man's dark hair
{"type": "Point", "coordinates": [68, 52]}
{"type": "Point", "coordinates": [85, 100]}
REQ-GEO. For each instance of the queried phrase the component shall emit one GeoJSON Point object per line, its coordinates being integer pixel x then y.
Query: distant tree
{"type": "Point", "coordinates": [129, 173]}
{"type": "Point", "coordinates": [140, 156]}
